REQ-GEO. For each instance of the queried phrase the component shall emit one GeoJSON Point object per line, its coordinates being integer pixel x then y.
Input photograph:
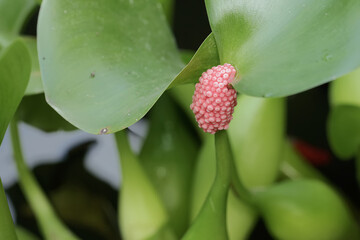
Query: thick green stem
{"type": "Point", "coordinates": [239, 188]}
{"type": "Point", "coordinates": [128, 158]}
{"type": "Point", "coordinates": [225, 156]}
{"type": "Point", "coordinates": [210, 223]}
{"type": "Point", "coordinates": [50, 225]}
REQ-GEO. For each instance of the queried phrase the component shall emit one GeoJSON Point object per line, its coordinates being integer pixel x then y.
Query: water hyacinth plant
{"type": "Point", "coordinates": [223, 157]}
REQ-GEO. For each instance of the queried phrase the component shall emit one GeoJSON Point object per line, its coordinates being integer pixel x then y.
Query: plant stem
{"type": "Point", "coordinates": [224, 152]}
{"type": "Point", "coordinates": [210, 223]}
{"type": "Point", "coordinates": [239, 188]}
{"type": "Point", "coordinates": [295, 166]}
{"type": "Point", "coordinates": [50, 225]}
{"type": "Point", "coordinates": [224, 157]}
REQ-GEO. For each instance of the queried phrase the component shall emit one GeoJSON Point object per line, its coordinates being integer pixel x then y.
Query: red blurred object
{"type": "Point", "coordinates": [313, 155]}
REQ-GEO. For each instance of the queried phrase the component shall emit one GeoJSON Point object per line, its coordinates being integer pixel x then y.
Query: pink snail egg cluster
{"type": "Point", "coordinates": [214, 99]}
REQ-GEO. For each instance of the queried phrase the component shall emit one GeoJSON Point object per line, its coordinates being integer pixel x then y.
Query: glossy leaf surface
{"type": "Point", "coordinates": [168, 157]}
{"type": "Point", "coordinates": [257, 137]}
{"type": "Point", "coordinates": [284, 47]}
{"type": "Point", "coordinates": [168, 8]}
{"type": "Point", "coordinates": [305, 209]}
{"type": "Point", "coordinates": [183, 96]}
{"type": "Point", "coordinates": [35, 84]}
{"type": "Point", "coordinates": [205, 57]}
{"type": "Point", "coordinates": [108, 75]}
{"type": "Point", "coordinates": [183, 93]}
{"type": "Point", "coordinates": [7, 230]}
{"type": "Point", "coordinates": [14, 77]}
{"type": "Point", "coordinates": [13, 15]}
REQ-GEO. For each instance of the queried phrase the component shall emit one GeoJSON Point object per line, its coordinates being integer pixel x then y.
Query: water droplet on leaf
{"type": "Point", "coordinates": [104, 131]}
{"type": "Point", "coordinates": [328, 57]}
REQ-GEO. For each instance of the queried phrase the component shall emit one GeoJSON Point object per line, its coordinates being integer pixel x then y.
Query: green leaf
{"type": "Point", "coordinates": [14, 77]}
{"type": "Point", "coordinates": [204, 174]}
{"type": "Point", "coordinates": [344, 118]}
{"type": "Point", "coordinates": [168, 8]}
{"type": "Point", "coordinates": [165, 233]}
{"type": "Point", "coordinates": [240, 218]}
{"type": "Point", "coordinates": [168, 157]}
{"type": "Point", "coordinates": [23, 234]}
{"type": "Point", "coordinates": [141, 211]}
{"type": "Point", "coordinates": [35, 111]}
{"type": "Point", "coordinates": [295, 166]}
{"type": "Point", "coordinates": [13, 15]}
{"type": "Point", "coordinates": [7, 230]}
{"type": "Point", "coordinates": [35, 84]}
{"type": "Point", "coordinates": [346, 90]}
{"type": "Point", "coordinates": [186, 55]}
{"type": "Point", "coordinates": [257, 137]}
{"type": "Point", "coordinates": [183, 96]}
{"type": "Point", "coordinates": [50, 225]}
{"type": "Point", "coordinates": [344, 130]}
{"type": "Point", "coordinates": [284, 47]}
{"type": "Point", "coordinates": [205, 57]}
{"type": "Point", "coordinates": [105, 63]}
{"type": "Point", "coordinates": [305, 209]}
